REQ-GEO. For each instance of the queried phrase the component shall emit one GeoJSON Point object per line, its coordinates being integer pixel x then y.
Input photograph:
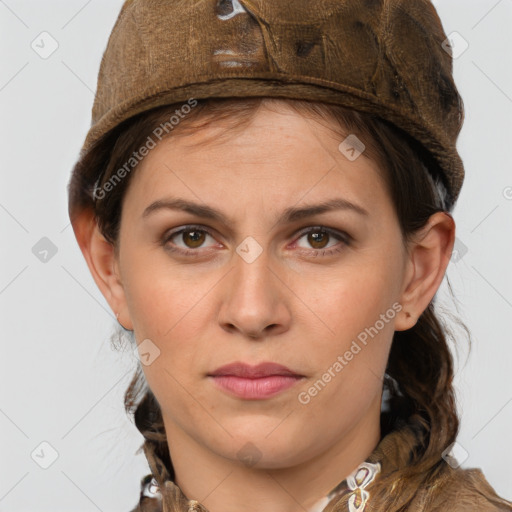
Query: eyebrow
{"type": "Point", "coordinates": [289, 215]}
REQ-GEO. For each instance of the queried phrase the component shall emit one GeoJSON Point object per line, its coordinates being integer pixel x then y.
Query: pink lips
{"type": "Point", "coordinates": [254, 382]}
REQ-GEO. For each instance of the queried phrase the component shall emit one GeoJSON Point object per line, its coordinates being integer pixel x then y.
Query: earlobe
{"type": "Point", "coordinates": [429, 255]}
{"type": "Point", "coordinates": [103, 265]}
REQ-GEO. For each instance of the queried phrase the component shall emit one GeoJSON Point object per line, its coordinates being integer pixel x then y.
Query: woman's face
{"type": "Point", "coordinates": [250, 285]}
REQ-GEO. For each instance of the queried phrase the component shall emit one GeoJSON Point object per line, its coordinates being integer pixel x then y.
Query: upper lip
{"type": "Point", "coordinates": [265, 369]}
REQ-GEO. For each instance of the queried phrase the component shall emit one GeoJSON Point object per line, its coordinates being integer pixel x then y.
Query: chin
{"type": "Point", "coordinates": [263, 451]}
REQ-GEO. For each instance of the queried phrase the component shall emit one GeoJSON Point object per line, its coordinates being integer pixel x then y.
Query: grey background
{"type": "Point", "coordinates": [61, 381]}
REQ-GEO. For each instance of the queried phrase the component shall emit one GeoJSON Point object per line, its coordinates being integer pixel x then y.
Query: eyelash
{"type": "Point", "coordinates": [340, 235]}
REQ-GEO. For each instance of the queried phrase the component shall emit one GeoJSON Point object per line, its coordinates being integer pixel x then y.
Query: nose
{"type": "Point", "coordinates": [255, 300]}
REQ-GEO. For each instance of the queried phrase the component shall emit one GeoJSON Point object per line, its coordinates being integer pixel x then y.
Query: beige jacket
{"type": "Point", "coordinates": [447, 489]}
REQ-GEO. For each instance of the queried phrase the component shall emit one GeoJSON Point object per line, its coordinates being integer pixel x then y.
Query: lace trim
{"type": "Point", "coordinates": [151, 489]}
{"type": "Point", "coordinates": [363, 476]}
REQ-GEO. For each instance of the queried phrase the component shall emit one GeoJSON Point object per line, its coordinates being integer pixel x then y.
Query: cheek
{"type": "Point", "coordinates": [160, 296]}
{"type": "Point", "coordinates": [173, 310]}
{"type": "Point", "coordinates": [355, 319]}
{"type": "Point", "coordinates": [172, 313]}
{"type": "Point", "coordinates": [348, 300]}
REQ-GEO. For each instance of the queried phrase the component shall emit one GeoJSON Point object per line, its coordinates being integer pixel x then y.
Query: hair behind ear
{"type": "Point", "coordinates": [140, 401]}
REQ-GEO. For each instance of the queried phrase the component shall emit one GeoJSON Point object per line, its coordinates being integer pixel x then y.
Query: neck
{"type": "Point", "coordinates": [224, 485]}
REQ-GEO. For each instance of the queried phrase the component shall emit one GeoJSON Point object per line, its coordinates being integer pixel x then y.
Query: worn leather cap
{"type": "Point", "coordinates": [390, 58]}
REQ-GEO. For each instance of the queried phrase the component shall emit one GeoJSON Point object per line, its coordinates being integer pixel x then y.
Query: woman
{"type": "Point", "coordinates": [264, 200]}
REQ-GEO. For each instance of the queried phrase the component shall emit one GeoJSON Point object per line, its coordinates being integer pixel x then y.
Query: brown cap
{"type": "Point", "coordinates": [390, 58]}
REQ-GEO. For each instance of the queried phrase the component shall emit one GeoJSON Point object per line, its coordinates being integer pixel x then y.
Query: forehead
{"type": "Point", "coordinates": [279, 152]}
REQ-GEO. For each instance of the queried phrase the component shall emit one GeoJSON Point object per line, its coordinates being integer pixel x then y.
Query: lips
{"type": "Point", "coordinates": [246, 371]}
{"type": "Point", "coordinates": [261, 382]}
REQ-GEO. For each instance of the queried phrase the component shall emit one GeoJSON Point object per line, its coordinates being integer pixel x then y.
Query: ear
{"type": "Point", "coordinates": [102, 262]}
{"type": "Point", "coordinates": [428, 257]}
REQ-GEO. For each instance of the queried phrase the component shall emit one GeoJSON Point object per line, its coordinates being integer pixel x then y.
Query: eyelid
{"type": "Point", "coordinates": [188, 227]}
{"type": "Point", "coordinates": [341, 235]}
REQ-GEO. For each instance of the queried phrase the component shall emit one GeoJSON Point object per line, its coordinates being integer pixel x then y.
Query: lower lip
{"type": "Point", "coordinates": [254, 389]}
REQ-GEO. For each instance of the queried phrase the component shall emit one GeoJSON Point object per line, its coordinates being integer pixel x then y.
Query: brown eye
{"type": "Point", "coordinates": [323, 241]}
{"type": "Point", "coordinates": [189, 240]}
{"type": "Point", "coordinates": [318, 239]}
{"type": "Point", "coordinates": [193, 239]}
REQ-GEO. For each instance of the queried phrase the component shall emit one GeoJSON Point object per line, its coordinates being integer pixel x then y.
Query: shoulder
{"type": "Point", "coordinates": [464, 490]}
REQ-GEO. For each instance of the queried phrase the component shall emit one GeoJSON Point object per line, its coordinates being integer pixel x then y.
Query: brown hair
{"type": "Point", "coordinates": [419, 375]}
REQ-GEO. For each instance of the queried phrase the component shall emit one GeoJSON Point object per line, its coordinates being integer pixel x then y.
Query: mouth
{"type": "Point", "coordinates": [254, 382]}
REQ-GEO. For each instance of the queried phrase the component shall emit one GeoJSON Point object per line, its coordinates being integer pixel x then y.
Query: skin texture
{"type": "Point", "coordinates": [291, 305]}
